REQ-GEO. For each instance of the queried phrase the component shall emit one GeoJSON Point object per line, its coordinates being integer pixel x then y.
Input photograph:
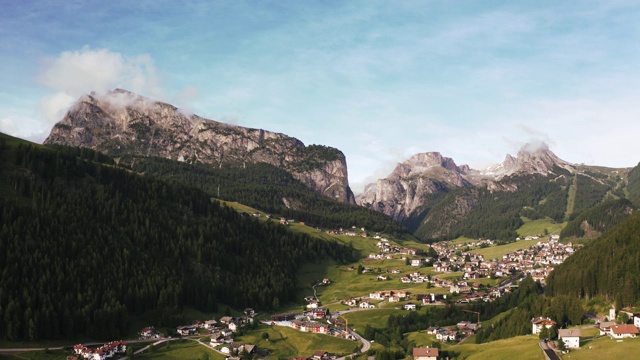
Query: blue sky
{"type": "Point", "coordinates": [380, 80]}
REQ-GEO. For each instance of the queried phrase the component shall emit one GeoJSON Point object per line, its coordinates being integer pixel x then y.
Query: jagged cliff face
{"type": "Point", "coordinates": [412, 185]}
{"type": "Point", "coordinates": [121, 122]}
{"type": "Point", "coordinates": [405, 190]}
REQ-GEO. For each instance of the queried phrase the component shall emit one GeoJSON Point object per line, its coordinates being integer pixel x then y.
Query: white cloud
{"type": "Point", "coordinates": [23, 127]}
{"type": "Point", "coordinates": [74, 73]}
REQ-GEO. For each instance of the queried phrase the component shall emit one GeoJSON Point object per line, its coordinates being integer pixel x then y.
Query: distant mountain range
{"type": "Point", "coordinates": [429, 193]}
{"type": "Point", "coordinates": [437, 199]}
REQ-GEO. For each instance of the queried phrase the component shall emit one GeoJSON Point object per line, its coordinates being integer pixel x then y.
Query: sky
{"type": "Point", "coordinates": [379, 80]}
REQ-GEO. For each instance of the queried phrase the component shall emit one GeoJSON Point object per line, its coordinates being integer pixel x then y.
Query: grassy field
{"type": "Point", "coordinates": [39, 355]}
{"type": "Point", "coordinates": [285, 342]}
{"type": "Point", "coordinates": [606, 348]}
{"type": "Point", "coordinates": [533, 227]}
{"type": "Point", "coordinates": [461, 240]}
{"type": "Point", "coordinates": [181, 350]}
{"type": "Point", "coordinates": [348, 283]}
{"type": "Point", "coordinates": [374, 317]}
{"type": "Point", "coordinates": [496, 252]}
{"type": "Point", "coordinates": [520, 347]}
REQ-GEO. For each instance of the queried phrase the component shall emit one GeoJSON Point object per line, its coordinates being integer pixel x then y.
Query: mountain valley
{"type": "Point", "coordinates": [134, 212]}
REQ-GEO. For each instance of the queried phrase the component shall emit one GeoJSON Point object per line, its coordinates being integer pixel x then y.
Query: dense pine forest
{"type": "Point", "coordinates": [264, 187]}
{"type": "Point", "coordinates": [608, 266]}
{"type": "Point", "coordinates": [496, 214]}
{"type": "Point", "coordinates": [85, 246]}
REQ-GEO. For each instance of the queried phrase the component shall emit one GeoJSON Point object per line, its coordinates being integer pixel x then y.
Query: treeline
{"type": "Point", "coordinates": [599, 218]}
{"type": "Point", "coordinates": [494, 214]}
{"type": "Point", "coordinates": [608, 266]}
{"type": "Point", "coordinates": [86, 246]}
{"type": "Point", "coordinates": [633, 185]}
{"type": "Point", "coordinates": [264, 187]}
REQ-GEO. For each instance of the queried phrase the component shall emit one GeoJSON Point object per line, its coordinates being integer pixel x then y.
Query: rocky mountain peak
{"type": "Point", "coordinates": [531, 159]}
{"type": "Point", "coordinates": [124, 123]}
{"type": "Point", "coordinates": [403, 192]}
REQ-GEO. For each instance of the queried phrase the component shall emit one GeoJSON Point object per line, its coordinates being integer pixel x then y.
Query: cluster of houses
{"type": "Point", "coordinates": [537, 260]}
{"type": "Point", "coordinates": [389, 295]}
{"type": "Point", "coordinates": [221, 332]}
{"type": "Point", "coordinates": [462, 329]}
{"type": "Point", "coordinates": [571, 337]}
{"type": "Point", "coordinates": [106, 351]}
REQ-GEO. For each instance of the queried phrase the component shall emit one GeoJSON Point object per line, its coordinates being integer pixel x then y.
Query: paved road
{"type": "Point", "coordinates": [549, 353]}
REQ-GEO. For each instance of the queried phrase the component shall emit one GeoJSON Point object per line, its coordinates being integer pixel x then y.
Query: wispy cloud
{"type": "Point", "coordinates": [74, 73]}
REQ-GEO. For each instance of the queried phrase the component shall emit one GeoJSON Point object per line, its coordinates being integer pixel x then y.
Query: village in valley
{"type": "Point", "coordinates": [406, 278]}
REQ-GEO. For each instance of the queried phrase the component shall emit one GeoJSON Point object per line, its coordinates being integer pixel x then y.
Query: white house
{"type": "Point", "coordinates": [417, 262]}
{"type": "Point", "coordinates": [570, 337]}
{"type": "Point", "coordinates": [623, 331]}
{"type": "Point", "coordinates": [539, 322]}
{"type": "Point", "coordinates": [366, 305]}
{"type": "Point", "coordinates": [409, 306]}
{"type": "Point", "coordinates": [636, 320]}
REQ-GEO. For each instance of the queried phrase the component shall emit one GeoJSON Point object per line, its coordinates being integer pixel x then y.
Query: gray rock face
{"type": "Point", "coordinates": [408, 187]}
{"type": "Point", "coordinates": [121, 122]}
{"type": "Point", "coordinates": [404, 191]}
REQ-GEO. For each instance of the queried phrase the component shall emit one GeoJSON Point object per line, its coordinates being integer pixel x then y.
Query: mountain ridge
{"type": "Point", "coordinates": [123, 123]}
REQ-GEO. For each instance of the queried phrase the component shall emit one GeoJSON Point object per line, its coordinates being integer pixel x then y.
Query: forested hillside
{"type": "Point", "coordinates": [608, 266]}
{"type": "Point", "coordinates": [267, 188]}
{"type": "Point", "coordinates": [86, 246]}
{"type": "Point", "coordinates": [496, 214]}
{"type": "Point", "coordinates": [598, 219]}
{"type": "Point", "coordinates": [633, 185]}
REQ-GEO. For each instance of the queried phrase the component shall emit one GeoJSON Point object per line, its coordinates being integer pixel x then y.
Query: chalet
{"type": "Point", "coordinates": [605, 327]}
{"type": "Point", "coordinates": [408, 251]}
{"type": "Point", "coordinates": [326, 281]}
{"type": "Point", "coordinates": [425, 353]}
{"type": "Point", "coordinates": [313, 304]}
{"type": "Point", "coordinates": [186, 330]}
{"type": "Point", "coordinates": [382, 277]}
{"type": "Point", "coordinates": [366, 305]}
{"type": "Point", "coordinates": [570, 337]}
{"type": "Point", "coordinates": [249, 312]}
{"type": "Point", "coordinates": [208, 324]}
{"type": "Point", "coordinates": [409, 306]}
{"type": "Point", "coordinates": [539, 322]}
{"type": "Point", "coordinates": [318, 313]}
{"type": "Point", "coordinates": [226, 319]}
{"type": "Point", "coordinates": [623, 331]}
{"type": "Point", "coordinates": [636, 320]}
{"type": "Point", "coordinates": [447, 335]}
{"type": "Point", "coordinates": [320, 355]}
{"type": "Point", "coordinates": [432, 330]}
{"type": "Point", "coordinates": [417, 262]}
{"type": "Point", "coordinates": [233, 326]}
{"type": "Point", "coordinates": [148, 332]}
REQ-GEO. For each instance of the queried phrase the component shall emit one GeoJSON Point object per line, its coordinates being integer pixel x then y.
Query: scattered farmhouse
{"type": "Point", "coordinates": [570, 337]}
{"type": "Point", "coordinates": [425, 353]}
{"type": "Point", "coordinates": [539, 322]}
